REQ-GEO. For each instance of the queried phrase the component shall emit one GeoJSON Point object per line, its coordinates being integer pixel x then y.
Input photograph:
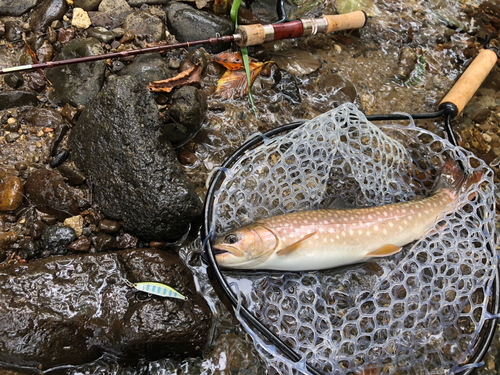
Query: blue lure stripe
{"type": "Point", "coordinates": [158, 289]}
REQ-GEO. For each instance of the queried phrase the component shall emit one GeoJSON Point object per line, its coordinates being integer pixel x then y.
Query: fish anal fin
{"type": "Point", "coordinates": [384, 251]}
{"type": "Point", "coordinates": [291, 248]}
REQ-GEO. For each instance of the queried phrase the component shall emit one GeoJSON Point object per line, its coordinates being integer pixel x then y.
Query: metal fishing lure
{"type": "Point", "coordinates": [156, 289]}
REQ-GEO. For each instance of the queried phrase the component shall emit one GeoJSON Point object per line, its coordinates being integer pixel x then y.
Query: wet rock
{"type": "Point", "coordinates": [69, 112]}
{"type": "Point", "coordinates": [189, 107]}
{"type": "Point", "coordinates": [7, 239]}
{"type": "Point", "coordinates": [127, 241]}
{"type": "Point", "coordinates": [232, 353]}
{"type": "Point", "coordinates": [11, 194]}
{"type": "Point", "coordinates": [138, 3]}
{"type": "Point", "coordinates": [15, 7]}
{"type": "Point", "coordinates": [14, 80]}
{"type": "Point", "coordinates": [37, 82]}
{"type": "Point", "coordinates": [12, 125]}
{"type": "Point", "coordinates": [81, 19]}
{"type": "Point", "coordinates": [81, 245]}
{"type": "Point", "coordinates": [79, 83]}
{"type": "Point", "coordinates": [187, 157]}
{"type": "Point", "coordinates": [51, 35]}
{"type": "Point", "coordinates": [49, 219]}
{"type": "Point", "coordinates": [56, 239]}
{"type": "Point", "coordinates": [147, 68]}
{"type": "Point", "coordinates": [145, 24]}
{"type": "Point", "coordinates": [12, 137]}
{"type": "Point", "coordinates": [46, 12]}
{"type": "Point", "coordinates": [48, 192]}
{"type": "Point", "coordinates": [53, 303]}
{"type": "Point", "coordinates": [13, 31]}
{"type": "Point", "coordinates": [72, 175]}
{"type": "Point", "coordinates": [99, 19]}
{"type": "Point", "coordinates": [29, 249]}
{"type": "Point", "coordinates": [59, 158]}
{"type": "Point", "coordinates": [128, 37]}
{"type": "Point", "coordinates": [37, 229]}
{"type": "Point", "coordinates": [118, 10]}
{"type": "Point", "coordinates": [163, 201]}
{"type": "Point", "coordinates": [287, 86]}
{"type": "Point", "coordinates": [181, 18]}
{"type": "Point", "coordinates": [109, 226]}
{"type": "Point", "coordinates": [65, 35]}
{"type": "Point", "coordinates": [332, 92]}
{"type": "Point", "coordinates": [87, 4]}
{"type": "Point", "coordinates": [75, 222]}
{"type": "Point", "coordinates": [481, 115]}
{"type": "Point", "coordinates": [104, 242]}
{"type": "Point", "coordinates": [45, 52]}
{"type": "Point", "coordinates": [41, 117]}
{"type": "Point", "coordinates": [102, 34]}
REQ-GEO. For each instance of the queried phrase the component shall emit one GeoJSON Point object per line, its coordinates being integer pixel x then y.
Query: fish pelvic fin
{"type": "Point", "coordinates": [291, 248]}
{"type": "Point", "coordinates": [384, 251]}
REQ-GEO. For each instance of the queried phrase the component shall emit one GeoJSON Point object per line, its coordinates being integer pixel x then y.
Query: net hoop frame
{"type": "Point", "coordinates": [207, 250]}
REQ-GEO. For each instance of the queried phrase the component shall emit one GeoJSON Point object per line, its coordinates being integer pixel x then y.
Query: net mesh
{"type": "Point", "coordinates": [421, 311]}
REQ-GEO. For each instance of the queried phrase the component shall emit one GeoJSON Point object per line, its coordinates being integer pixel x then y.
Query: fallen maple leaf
{"type": "Point", "coordinates": [233, 83]}
{"type": "Point", "coordinates": [231, 60]}
{"type": "Point", "coordinates": [187, 77]}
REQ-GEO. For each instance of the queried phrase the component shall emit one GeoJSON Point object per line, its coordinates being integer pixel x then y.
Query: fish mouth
{"type": "Point", "coordinates": [221, 251]}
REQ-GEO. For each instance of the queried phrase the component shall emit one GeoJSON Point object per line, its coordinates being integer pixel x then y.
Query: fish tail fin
{"type": "Point", "coordinates": [453, 179]}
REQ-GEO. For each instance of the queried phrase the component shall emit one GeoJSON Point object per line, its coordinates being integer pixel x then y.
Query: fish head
{"type": "Point", "coordinates": [244, 248]}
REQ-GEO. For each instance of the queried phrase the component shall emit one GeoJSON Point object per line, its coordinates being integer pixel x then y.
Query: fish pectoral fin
{"type": "Point", "coordinates": [291, 248]}
{"type": "Point", "coordinates": [384, 251]}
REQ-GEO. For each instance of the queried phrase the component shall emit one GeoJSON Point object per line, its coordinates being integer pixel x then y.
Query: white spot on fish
{"type": "Point", "coordinates": [419, 214]}
{"type": "Point", "coordinates": [368, 233]}
{"type": "Point", "coordinates": [391, 225]}
{"type": "Point", "coordinates": [375, 227]}
{"type": "Point", "coordinates": [384, 231]}
{"type": "Point", "coordinates": [360, 232]}
{"type": "Point", "coordinates": [344, 234]}
{"type": "Point", "coordinates": [337, 237]}
{"type": "Point", "coordinates": [351, 232]}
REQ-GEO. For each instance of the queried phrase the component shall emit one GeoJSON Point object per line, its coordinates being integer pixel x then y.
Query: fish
{"type": "Point", "coordinates": [329, 238]}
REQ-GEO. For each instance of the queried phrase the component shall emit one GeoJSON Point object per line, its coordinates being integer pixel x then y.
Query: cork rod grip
{"type": "Point", "coordinates": [469, 82]}
{"type": "Point", "coordinates": [354, 20]}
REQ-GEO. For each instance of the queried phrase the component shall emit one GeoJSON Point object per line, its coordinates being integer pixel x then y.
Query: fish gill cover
{"type": "Point", "coordinates": [422, 310]}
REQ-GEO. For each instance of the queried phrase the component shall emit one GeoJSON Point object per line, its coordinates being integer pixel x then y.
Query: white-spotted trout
{"type": "Point", "coordinates": [321, 239]}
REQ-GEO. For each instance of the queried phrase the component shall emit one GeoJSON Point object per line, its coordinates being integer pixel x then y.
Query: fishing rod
{"type": "Point", "coordinates": [245, 36]}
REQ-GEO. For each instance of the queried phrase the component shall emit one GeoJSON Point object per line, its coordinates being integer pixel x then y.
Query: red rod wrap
{"type": "Point", "coordinates": [293, 29]}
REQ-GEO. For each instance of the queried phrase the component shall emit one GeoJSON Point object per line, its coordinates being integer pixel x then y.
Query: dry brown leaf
{"type": "Point", "coordinates": [233, 83]}
{"type": "Point", "coordinates": [187, 77]}
{"type": "Point", "coordinates": [231, 60]}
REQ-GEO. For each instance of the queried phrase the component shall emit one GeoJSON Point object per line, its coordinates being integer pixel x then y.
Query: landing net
{"type": "Point", "coordinates": [421, 311]}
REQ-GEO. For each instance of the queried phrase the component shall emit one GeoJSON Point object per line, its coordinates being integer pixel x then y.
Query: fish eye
{"type": "Point", "coordinates": [231, 238]}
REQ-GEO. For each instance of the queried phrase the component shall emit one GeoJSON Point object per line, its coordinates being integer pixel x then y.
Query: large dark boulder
{"type": "Point", "coordinates": [136, 178]}
{"type": "Point", "coordinates": [15, 7]}
{"type": "Point", "coordinates": [187, 24]}
{"type": "Point", "coordinates": [78, 83]}
{"type": "Point", "coordinates": [72, 309]}
{"type": "Point", "coordinates": [46, 12]}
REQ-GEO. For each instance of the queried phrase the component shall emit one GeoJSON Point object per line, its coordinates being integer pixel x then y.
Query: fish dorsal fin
{"type": "Point", "coordinates": [383, 251]}
{"type": "Point", "coordinates": [291, 248]}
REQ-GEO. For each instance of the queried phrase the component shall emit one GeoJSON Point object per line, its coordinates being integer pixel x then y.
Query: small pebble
{"type": "Point", "coordinates": [186, 157]}
{"type": "Point", "coordinates": [109, 226]}
{"type": "Point", "coordinates": [115, 44]}
{"type": "Point", "coordinates": [487, 138]}
{"type": "Point", "coordinates": [56, 24]}
{"type": "Point", "coordinates": [104, 242]}
{"type": "Point", "coordinates": [157, 245]}
{"type": "Point", "coordinates": [128, 37]}
{"type": "Point", "coordinates": [81, 19]}
{"type": "Point", "coordinates": [174, 63]}
{"type": "Point", "coordinates": [65, 35]}
{"type": "Point", "coordinates": [12, 125]}
{"type": "Point", "coordinates": [37, 229]}
{"type": "Point", "coordinates": [118, 32]}
{"type": "Point", "coordinates": [185, 65]}
{"type": "Point", "coordinates": [56, 239]}
{"type": "Point", "coordinates": [81, 245]}
{"type": "Point", "coordinates": [69, 112]}
{"type": "Point", "coordinates": [117, 66]}
{"type": "Point", "coordinates": [161, 98]}
{"type": "Point", "coordinates": [21, 166]}
{"type": "Point", "coordinates": [51, 35]}
{"type": "Point", "coordinates": [12, 137]}
{"type": "Point", "coordinates": [127, 241]}
{"type": "Point", "coordinates": [14, 80]}
{"type": "Point", "coordinates": [49, 219]}
{"type": "Point", "coordinates": [75, 222]}
{"type": "Point", "coordinates": [45, 52]}
{"type": "Point", "coordinates": [11, 193]}
{"type": "Point", "coordinates": [37, 82]}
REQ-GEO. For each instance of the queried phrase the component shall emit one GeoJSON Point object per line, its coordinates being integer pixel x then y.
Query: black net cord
{"type": "Point", "coordinates": [249, 316]}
